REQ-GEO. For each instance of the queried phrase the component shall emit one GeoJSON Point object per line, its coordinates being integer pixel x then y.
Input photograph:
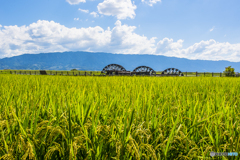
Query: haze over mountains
{"type": "Point", "coordinates": [97, 61]}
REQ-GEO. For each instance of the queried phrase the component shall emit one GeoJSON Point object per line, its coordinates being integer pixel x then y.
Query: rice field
{"type": "Point", "coordinates": [138, 118]}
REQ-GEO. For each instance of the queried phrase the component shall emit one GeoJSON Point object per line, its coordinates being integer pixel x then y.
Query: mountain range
{"type": "Point", "coordinates": [96, 61]}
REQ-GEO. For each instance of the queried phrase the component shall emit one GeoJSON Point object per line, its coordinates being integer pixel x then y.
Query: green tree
{"type": "Point", "coordinates": [229, 72]}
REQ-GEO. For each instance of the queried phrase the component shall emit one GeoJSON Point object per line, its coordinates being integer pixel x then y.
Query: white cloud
{"type": "Point", "coordinates": [45, 36]}
{"type": "Point", "coordinates": [166, 45]}
{"type": "Point", "coordinates": [76, 19]}
{"type": "Point", "coordinates": [122, 9]}
{"type": "Point", "coordinates": [83, 10]}
{"type": "Point", "coordinates": [204, 50]}
{"type": "Point", "coordinates": [124, 40]}
{"type": "Point", "coordinates": [151, 2]}
{"type": "Point", "coordinates": [0, 25]}
{"type": "Point", "coordinates": [94, 14]}
{"type": "Point", "coordinates": [49, 36]}
{"type": "Point", "coordinates": [212, 29]}
{"type": "Point", "coordinates": [73, 2]}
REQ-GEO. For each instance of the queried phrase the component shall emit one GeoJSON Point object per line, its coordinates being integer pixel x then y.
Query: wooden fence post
{"type": "Point", "coordinates": [186, 74]}
{"type": "Point", "coordinates": [220, 74]}
{"type": "Point", "coordinates": [196, 74]}
{"type": "Point", "coordinates": [85, 73]}
{"type": "Point", "coordinates": [20, 72]}
{"type": "Point", "coordinates": [212, 74]}
{"type": "Point", "coordinates": [204, 74]}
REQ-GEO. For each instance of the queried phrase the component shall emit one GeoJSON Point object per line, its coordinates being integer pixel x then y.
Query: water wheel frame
{"type": "Point", "coordinates": [109, 69]}
{"type": "Point", "coordinates": [172, 71]}
{"type": "Point", "coordinates": [143, 70]}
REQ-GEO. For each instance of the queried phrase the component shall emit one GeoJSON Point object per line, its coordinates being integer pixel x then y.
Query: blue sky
{"type": "Point", "coordinates": [193, 29]}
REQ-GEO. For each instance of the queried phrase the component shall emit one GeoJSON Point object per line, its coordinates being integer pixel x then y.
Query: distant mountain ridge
{"type": "Point", "coordinates": [96, 61]}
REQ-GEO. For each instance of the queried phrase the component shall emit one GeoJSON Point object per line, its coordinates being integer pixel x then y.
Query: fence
{"type": "Point", "coordinates": [98, 73]}
{"type": "Point", "coordinates": [206, 74]}
{"type": "Point", "coordinates": [62, 73]}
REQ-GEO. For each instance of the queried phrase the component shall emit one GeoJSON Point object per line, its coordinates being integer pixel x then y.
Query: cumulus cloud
{"type": "Point", "coordinates": [94, 14]}
{"type": "Point", "coordinates": [83, 10]}
{"type": "Point", "coordinates": [49, 36]}
{"type": "Point", "coordinates": [124, 39]}
{"type": "Point", "coordinates": [0, 25]}
{"type": "Point", "coordinates": [122, 9]}
{"type": "Point", "coordinates": [76, 19]}
{"type": "Point", "coordinates": [45, 36]}
{"type": "Point", "coordinates": [151, 2]}
{"type": "Point", "coordinates": [167, 44]}
{"type": "Point", "coordinates": [73, 2]}
{"type": "Point", "coordinates": [204, 50]}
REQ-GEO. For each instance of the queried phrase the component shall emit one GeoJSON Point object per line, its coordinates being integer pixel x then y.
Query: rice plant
{"type": "Point", "coordinates": [60, 117]}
